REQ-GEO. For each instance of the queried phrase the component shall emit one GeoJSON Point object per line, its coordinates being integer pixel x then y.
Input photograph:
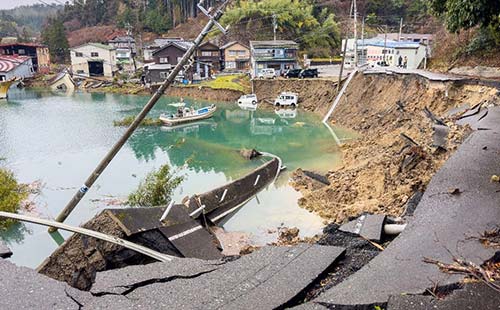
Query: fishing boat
{"type": "Point", "coordinates": [187, 115]}
{"type": "Point", "coordinates": [4, 87]}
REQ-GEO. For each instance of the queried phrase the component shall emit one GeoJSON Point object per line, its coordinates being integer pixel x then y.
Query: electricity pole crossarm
{"type": "Point", "coordinates": [149, 105]}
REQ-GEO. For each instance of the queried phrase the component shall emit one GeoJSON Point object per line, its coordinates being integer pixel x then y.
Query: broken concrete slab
{"type": "Point", "coordinates": [472, 296]}
{"type": "Point", "coordinates": [439, 229]}
{"type": "Point", "coordinates": [5, 252]}
{"type": "Point", "coordinates": [440, 136]}
{"type": "Point", "coordinates": [369, 226]}
{"type": "Point", "coordinates": [482, 121]}
{"type": "Point", "coordinates": [270, 277]}
{"type": "Point", "coordinates": [24, 288]}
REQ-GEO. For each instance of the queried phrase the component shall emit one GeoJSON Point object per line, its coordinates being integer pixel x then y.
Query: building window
{"type": "Point", "coordinates": [78, 54]}
{"type": "Point", "coordinates": [163, 75]}
{"type": "Point", "coordinates": [21, 51]}
{"type": "Point", "coordinates": [232, 53]}
{"type": "Point", "coordinates": [80, 72]}
{"type": "Point", "coordinates": [164, 60]}
{"type": "Point", "coordinates": [94, 54]}
{"type": "Point", "coordinates": [230, 65]}
{"type": "Point", "coordinates": [206, 53]}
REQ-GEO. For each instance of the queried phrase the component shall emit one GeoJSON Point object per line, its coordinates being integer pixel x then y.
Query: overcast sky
{"type": "Point", "coordinates": [9, 4]}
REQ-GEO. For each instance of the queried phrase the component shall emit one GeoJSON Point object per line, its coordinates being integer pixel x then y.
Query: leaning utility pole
{"type": "Point", "coordinates": [213, 20]}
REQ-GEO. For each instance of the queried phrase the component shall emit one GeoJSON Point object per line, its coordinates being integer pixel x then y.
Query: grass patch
{"type": "Point", "coordinates": [156, 189]}
{"type": "Point", "coordinates": [148, 121]}
{"type": "Point", "coordinates": [238, 82]}
{"type": "Point", "coordinates": [11, 195]}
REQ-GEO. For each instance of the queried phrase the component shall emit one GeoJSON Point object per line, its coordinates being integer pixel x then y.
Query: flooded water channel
{"type": "Point", "coordinates": [58, 140]}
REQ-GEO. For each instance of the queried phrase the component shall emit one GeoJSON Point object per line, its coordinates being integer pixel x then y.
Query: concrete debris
{"type": "Point", "coordinates": [440, 136]}
{"type": "Point", "coordinates": [369, 226]}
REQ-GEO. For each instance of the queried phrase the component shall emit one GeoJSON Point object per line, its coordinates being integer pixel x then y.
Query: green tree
{"type": "Point", "coordinates": [460, 14]}
{"type": "Point", "coordinates": [11, 195]}
{"type": "Point", "coordinates": [156, 189]}
{"type": "Point", "coordinates": [295, 20]}
{"type": "Point", "coordinates": [54, 36]}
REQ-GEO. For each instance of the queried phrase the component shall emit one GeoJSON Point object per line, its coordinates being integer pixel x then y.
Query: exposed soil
{"type": "Point", "coordinates": [78, 259]}
{"type": "Point", "coordinates": [380, 172]}
{"type": "Point", "coordinates": [315, 95]}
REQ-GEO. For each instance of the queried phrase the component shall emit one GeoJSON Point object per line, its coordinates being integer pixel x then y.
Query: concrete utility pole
{"type": "Point", "coordinates": [363, 59]}
{"type": "Point", "coordinates": [385, 42]}
{"type": "Point", "coordinates": [400, 29]}
{"type": "Point", "coordinates": [275, 25]}
{"type": "Point", "coordinates": [213, 20]}
{"type": "Point", "coordinates": [129, 35]}
{"type": "Point", "coordinates": [355, 34]}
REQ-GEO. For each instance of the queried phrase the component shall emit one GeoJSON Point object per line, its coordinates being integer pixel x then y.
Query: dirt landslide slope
{"type": "Point", "coordinates": [314, 95]}
{"type": "Point", "coordinates": [379, 174]}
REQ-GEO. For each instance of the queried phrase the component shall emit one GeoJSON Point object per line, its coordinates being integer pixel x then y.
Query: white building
{"type": "Point", "coordinates": [93, 59]}
{"type": "Point", "coordinates": [376, 51]}
{"type": "Point", "coordinates": [15, 66]}
{"type": "Point", "coordinates": [125, 48]}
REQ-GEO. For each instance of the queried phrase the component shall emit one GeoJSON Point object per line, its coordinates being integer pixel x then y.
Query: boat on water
{"type": "Point", "coordinates": [187, 115]}
{"type": "Point", "coordinates": [4, 87]}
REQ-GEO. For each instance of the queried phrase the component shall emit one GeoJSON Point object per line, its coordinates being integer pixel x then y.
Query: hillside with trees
{"type": "Point", "coordinates": [25, 22]}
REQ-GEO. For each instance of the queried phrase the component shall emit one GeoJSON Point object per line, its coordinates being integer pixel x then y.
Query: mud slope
{"type": "Point", "coordinates": [378, 173]}
{"type": "Point", "coordinates": [314, 94]}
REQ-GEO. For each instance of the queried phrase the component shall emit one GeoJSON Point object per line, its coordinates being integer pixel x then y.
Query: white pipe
{"type": "Point", "coordinates": [79, 230]}
{"type": "Point", "coordinates": [394, 229]}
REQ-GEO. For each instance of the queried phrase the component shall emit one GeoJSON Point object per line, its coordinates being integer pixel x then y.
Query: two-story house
{"type": "Point", "coordinates": [207, 59]}
{"type": "Point", "coordinates": [93, 59]}
{"type": "Point", "coordinates": [164, 59]}
{"type": "Point", "coordinates": [279, 55]}
{"type": "Point", "coordinates": [235, 56]}
{"type": "Point", "coordinates": [125, 48]}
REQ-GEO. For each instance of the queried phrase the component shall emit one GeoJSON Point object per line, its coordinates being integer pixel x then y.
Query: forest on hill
{"type": "Point", "coordinates": [26, 21]}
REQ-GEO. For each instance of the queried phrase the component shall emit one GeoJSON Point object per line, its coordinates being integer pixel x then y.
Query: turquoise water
{"type": "Point", "coordinates": [58, 140]}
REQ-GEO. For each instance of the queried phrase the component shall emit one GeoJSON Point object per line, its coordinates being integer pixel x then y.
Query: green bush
{"type": "Point", "coordinates": [156, 189]}
{"type": "Point", "coordinates": [145, 122]}
{"type": "Point", "coordinates": [11, 195]}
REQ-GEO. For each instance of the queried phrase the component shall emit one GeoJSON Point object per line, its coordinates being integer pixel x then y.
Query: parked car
{"type": "Point", "coordinates": [287, 99]}
{"type": "Point", "coordinates": [267, 73]}
{"type": "Point", "coordinates": [292, 73]}
{"type": "Point", "coordinates": [309, 73]}
{"type": "Point", "coordinates": [250, 99]}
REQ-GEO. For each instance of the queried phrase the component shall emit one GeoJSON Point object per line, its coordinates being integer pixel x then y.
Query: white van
{"type": "Point", "coordinates": [267, 73]}
{"type": "Point", "coordinates": [287, 99]}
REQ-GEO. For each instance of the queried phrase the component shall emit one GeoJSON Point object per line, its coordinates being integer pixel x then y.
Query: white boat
{"type": "Point", "coordinates": [187, 115]}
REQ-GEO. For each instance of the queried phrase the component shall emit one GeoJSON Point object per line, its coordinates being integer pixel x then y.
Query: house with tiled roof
{"type": "Point", "coordinates": [93, 59]}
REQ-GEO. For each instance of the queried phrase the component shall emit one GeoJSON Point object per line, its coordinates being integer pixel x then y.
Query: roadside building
{"type": "Point", "coordinates": [156, 73]}
{"type": "Point", "coordinates": [379, 52]}
{"type": "Point", "coordinates": [207, 59]}
{"type": "Point", "coordinates": [40, 56]}
{"type": "Point", "coordinates": [235, 56]}
{"type": "Point", "coordinates": [125, 48]}
{"type": "Point", "coordinates": [93, 59]}
{"type": "Point", "coordinates": [15, 66]}
{"type": "Point", "coordinates": [426, 39]}
{"type": "Point", "coordinates": [279, 55]}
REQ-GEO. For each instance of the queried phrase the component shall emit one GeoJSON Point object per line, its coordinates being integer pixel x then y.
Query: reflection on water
{"type": "Point", "coordinates": [60, 139]}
